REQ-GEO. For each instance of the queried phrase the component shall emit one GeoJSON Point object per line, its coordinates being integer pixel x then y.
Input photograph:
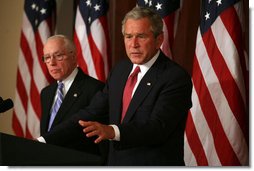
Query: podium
{"type": "Point", "coordinates": [16, 151]}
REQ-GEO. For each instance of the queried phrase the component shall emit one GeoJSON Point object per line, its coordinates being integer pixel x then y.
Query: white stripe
{"type": "Point", "coordinates": [44, 31]}
{"type": "Point", "coordinates": [33, 122]}
{"type": "Point", "coordinates": [227, 119]}
{"type": "Point", "coordinates": [203, 130]}
{"type": "Point", "coordinates": [83, 40]}
{"type": "Point", "coordinates": [99, 38]}
{"type": "Point", "coordinates": [20, 111]}
{"type": "Point", "coordinates": [24, 72]}
{"type": "Point", "coordinates": [229, 52]}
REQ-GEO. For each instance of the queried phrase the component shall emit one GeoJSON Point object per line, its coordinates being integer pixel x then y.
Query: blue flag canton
{"type": "Point", "coordinates": [92, 10]}
{"type": "Point", "coordinates": [211, 9]}
{"type": "Point", "coordinates": [162, 7]}
{"type": "Point", "coordinates": [39, 10]}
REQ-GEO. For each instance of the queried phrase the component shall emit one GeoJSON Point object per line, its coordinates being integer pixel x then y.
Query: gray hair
{"type": "Point", "coordinates": [68, 43]}
{"type": "Point", "coordinates": [144, 12]}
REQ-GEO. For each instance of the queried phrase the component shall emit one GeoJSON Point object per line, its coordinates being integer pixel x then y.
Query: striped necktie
{"type": "Point", "coordinates": [57, 104]}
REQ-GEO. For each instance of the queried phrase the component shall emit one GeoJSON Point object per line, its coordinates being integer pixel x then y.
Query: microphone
{"type": "Point", "coordinates": [5, 105]}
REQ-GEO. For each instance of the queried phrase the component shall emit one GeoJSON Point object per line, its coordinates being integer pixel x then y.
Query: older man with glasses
{"type": "Point", "coordinates": [71, 91]}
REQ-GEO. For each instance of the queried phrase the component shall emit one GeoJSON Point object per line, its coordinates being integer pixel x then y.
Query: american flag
{"type": "Point", "coordinates": [32, 75]}
{"type": "Point", "coordinates": [92, 39]}
{"type": "Point", "coordinates": [169, 11]}
{"type": "Point", "coordinates": [217, 124]}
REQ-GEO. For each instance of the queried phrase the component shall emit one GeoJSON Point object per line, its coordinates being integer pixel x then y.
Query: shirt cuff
{"type": "Point", "coordinates": [41, 139]}
{"type": "Point", "coordinates": [117, 133]}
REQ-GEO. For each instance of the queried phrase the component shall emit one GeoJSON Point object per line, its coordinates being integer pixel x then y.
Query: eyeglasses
{"type": "Point", "coordinates": [56, 56]}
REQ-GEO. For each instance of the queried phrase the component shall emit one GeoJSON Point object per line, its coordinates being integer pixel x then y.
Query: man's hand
{"type": "Point", "coordinates": [95, 128]}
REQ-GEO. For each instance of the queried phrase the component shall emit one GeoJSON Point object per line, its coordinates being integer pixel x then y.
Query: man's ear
{"type": "Point", "coordinates": [159, 40]}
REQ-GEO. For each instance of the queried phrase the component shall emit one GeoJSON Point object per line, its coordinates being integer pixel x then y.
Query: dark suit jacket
{"type": "Point", "coordinates": [78, 97]}
{"type": "Point", "coordinates": [152, 132]}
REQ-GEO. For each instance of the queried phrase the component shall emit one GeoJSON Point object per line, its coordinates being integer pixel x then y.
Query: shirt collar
{"type": "Point", "coordinates": [69, 80]}
{"type": "Point", "coordinates": [146, 66]}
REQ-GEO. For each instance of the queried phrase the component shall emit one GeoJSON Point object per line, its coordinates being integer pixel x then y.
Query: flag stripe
{"type": "Point", "coordinates": [220, 88]}
{"type": "Point", "coordinates": [233, 96]}
{"type": "Point", "coordinates": [209, 104]}
{"type": "Point", "coordinates": [91, 38]}
{"type": "Point", "coordinates": [203, 132]}
{"type": "Point", "coordinates": [32, 73]}
{"type": "Point", "coordinates": [237, 39]}
{"type": "Point", "coordinates": [81, 61]}
{"type": "Point", "coordinates": [84, 54]}
{"type": "Point", "coordinates": [96, 59]}
{"type": "Point", "coordinates": [193, 138]}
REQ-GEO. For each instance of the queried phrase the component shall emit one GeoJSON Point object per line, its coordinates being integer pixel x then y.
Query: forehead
{"type": "Point", "coordinates": [137, 25]}
{"type": "Point", "coordinates": [54, 44]}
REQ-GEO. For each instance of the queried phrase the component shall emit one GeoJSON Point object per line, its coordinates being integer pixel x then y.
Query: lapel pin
{"type": "Point", "coordinates": [148, 84]}
{"type": "Point", "coordinates": [75, 94]}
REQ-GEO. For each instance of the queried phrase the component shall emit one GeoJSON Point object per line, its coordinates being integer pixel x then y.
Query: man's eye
{"type": "Point", "coordinates": [128, 36]}
{"type": "Point", "coordinates": [142, 36]}
{"type": "Point", "coordinates": [58, 55]}
{"type": "Point", "coordinates": [46, 57]}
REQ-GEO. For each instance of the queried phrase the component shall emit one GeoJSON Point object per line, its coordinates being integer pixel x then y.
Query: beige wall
{"type": "Point", "coordinates": [11, 12]}
{"type": "Point", "coordinates": [10, 19]}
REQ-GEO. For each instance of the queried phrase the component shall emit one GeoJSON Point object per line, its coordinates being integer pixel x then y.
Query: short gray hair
{"type": "Point", "coordinates": [144, 12]}
{"type": "Point", "coordinates": [68, 43]}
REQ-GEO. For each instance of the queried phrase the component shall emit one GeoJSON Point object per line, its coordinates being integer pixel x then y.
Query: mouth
{"type": "Point", "coordinates": [135, 53]}
{"type": "Point", "coordinates": [54, 71]}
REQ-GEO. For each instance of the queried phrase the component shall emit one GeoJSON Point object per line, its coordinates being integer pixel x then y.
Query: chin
{"type": "Point", "coordinates": [136, 60]}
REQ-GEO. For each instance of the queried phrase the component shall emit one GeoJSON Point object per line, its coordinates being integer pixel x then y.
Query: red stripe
{"type": "Point", "coordinates": [21, 90]}
{"type": "Point", "coordinates": [35, 99]}
{"type": "Point", "coordinates": [17, 128]}
{"type": "Point", "coordinates": [194, 142]}
{"type": "Point", "coordinates": [221, 142]}
{"type": "Point", "coordinates": [233, 26]}
{"type": "Point", "coordinates": [16, 125]}
{"type": "Point", "coordinates": [170, 22]}
{"type": "Point", "coordinates": [226, 80]}
{"type": "Point", "coordinates": [80, 58]}
{"type": "Point", "coordinates": [231, 21]}
{"type": "Point", "coordinates": [97, 59]}
{"type": "Point", "coordinates": [27, 52]}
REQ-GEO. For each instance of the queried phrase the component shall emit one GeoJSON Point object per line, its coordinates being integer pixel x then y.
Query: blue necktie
{"type": "Point", "coordinates": [57, 104]}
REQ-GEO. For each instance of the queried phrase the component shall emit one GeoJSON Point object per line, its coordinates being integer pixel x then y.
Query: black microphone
{"type": "Point", "coordinates": [5, 105]}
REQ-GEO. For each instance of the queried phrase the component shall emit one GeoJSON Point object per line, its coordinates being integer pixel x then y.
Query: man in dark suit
{"type": "Point", "coordinates": [150, 129]}
{"type": "Point", "coordinates": [78, 88]}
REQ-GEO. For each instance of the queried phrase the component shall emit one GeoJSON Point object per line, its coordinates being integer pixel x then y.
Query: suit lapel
{"type": "Point", "coordinates": [47, 105]}
{"type": "Point", "coordinates": [118, 92]}
{"type": "Point", "coordinates": [144, 87]}
{"type": "Point", "coordinates": [141, 92]}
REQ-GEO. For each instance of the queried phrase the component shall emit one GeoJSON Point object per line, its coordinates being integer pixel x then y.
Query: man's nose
{"type": "Point", "coordinates": [135, 42]}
